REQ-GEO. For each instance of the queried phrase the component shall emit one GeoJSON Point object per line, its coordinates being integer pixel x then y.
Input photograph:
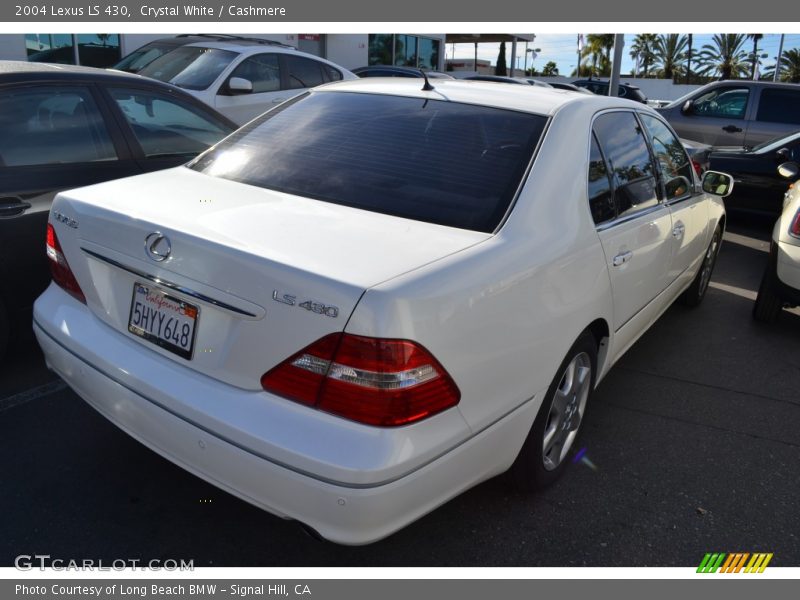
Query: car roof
{"type": "Point", "coordinates": [247, 45]}
{"type": "Point", "coordinates": [18, 70]}
{"type": "Point", "coordinates": [524, 98]}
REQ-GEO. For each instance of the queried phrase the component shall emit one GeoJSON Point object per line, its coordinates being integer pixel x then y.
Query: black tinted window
{"type": "Point", "coordinates": [51, 124]}
{"type": "Point", "coordinates": [303, 72]}
{"type": "Point", "coordinates": [624, 146]}
{"type": "Point", "coordinates": [676, 170]}
{"type": "Point", "coordinates": [601, 201]}
{"type": "Point", "coordinates": [429, 160]}
{"type": "Point", "coordinates": [779, 106]}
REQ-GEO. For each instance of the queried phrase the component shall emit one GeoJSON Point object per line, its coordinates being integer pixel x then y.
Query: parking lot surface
{"type": "Point", "coordinates": [692, 445]}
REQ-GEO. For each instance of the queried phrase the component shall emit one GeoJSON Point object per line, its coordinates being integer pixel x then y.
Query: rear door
{"type": "Point", "coordinates": [53, 136]}
{"type": "Point", "coordinates": [777, 114]}
{"type": "Point", "coordinates": [634, 226]}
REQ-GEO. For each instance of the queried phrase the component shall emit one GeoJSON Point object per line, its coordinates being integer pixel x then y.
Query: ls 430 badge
{"type": "Point", "coordinates": [310, 305]}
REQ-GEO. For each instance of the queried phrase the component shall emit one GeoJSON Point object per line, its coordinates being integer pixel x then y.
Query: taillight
{"type": "Point", "coordinates": [794, 228]}
{"type": "Point", "coordinates": [59, 267]}
{"type": "Point", "coordinates": [698, 168]}
{"type": "Point", "coordinates": [376, 381]}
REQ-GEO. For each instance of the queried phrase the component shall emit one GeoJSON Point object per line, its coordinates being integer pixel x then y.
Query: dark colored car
{"type": "Point", "coordinates": [91, 55]}
{"type": "Point", "coordinates": [65, 127]}
{"type": "Point", "coordinates": [559, 85]}
{"type": "Point", "coordinates": [143, 56]}
{"type": "Point", "coordinates": [392, 71]}
{"type": "Point", "coordinates": [599, 87]}
{"type": "Point", "coordinates": [758, 187]}
{"type": "Point", "coordinates": [736, 112]}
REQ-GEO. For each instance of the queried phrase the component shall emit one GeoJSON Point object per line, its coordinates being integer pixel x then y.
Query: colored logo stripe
{"type": "Point", "coordinates": [733, 563]}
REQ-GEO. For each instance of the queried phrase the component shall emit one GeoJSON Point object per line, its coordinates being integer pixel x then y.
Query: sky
{"type": "Point", "coordinates": [562, 49]}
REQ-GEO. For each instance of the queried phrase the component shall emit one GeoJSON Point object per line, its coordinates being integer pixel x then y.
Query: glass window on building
{"type": "Point", "coordinates": [405, 50]}
{"type": "Point", "coordinates": [428, 53]}
{"type": "Point", "coordinates": [380, 49]}
{"type": "Point", "coordinates": [93, 49]}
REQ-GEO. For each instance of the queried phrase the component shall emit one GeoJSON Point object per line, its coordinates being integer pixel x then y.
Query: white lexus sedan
{"type": "Point", "coordinates": [378, 294]}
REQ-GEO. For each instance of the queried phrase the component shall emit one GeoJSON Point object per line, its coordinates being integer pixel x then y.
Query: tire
{"type": "Point", "coordinates": [540, 463]}
{"type": "Point", "coordinates": [768, 303]}
{"type": "Point", "coordinates": [695, 293]}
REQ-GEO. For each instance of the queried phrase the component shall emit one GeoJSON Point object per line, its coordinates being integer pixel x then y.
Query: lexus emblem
{"type": "Point", "coordinates": [157, 246]}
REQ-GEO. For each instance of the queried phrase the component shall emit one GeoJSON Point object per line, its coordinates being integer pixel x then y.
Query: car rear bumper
{"type": "Point", "coordinates": [343, 512]}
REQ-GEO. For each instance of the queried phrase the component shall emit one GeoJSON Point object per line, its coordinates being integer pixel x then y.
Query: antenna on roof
{"type": "Point", "coordinates": [427, 87]}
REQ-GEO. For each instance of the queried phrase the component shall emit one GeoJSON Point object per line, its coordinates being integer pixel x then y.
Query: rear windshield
{"type": "Point", "coordinates": [430, 160]}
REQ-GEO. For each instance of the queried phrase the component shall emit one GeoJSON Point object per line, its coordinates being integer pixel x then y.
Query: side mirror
{"type": "Point", "coordinates": [677, 187]}
{"type": "Point", "coordinates": [783, 154]}
{"type": "Point", "coordinates": [788, 170]}
{"type": "Point", "coordinates": [719, 184]}
{"type": "Point", "coordinates": [240, 85]}
{"type": "Point", "coordinates": [686, 109]}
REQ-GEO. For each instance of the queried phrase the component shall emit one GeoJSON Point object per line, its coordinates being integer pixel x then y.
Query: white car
{"type": "Point", "coordinates": [245, 77]}
{"type": "Point", "coordinates": [370, 299]}
{"type": "Point", "coordinates": [780, 285]}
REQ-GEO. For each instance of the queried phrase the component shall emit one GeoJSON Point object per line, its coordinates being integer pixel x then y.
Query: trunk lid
{"type": "Point", "coordinates": [268, 272]}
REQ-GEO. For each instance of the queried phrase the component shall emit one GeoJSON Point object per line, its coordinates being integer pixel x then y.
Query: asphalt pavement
{"type": "Point", "coordinates": [692, 445]}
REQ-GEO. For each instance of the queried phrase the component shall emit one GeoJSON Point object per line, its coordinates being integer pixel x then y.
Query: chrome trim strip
{"type": "Point", "coordinates": [262, 456]}
{"type": "Point", "coordinates": [631, 217]}
{"type": "Point", "coordinates": [169, 284]}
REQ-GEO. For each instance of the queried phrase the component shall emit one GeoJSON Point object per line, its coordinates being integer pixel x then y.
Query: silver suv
{"type": "Point", "coordinates": [736, 113]}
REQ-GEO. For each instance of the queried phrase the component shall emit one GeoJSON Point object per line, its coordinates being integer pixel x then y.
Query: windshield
{"type": "Point", "coordinates": [190, 67]}
{"type": "Point", "coordinates": [430, 160]}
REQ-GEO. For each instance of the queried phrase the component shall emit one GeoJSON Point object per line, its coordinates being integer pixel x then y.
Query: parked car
{"type": "Point", "coordinates": [600, 87]}
{"type": "Point", "coordinates": [568, 86]}
{"type": "Point", "coordinates": [780, 286]}
{"type": "Point", "coordinates": [699, 154]}
{"type": "Point", "coordinates": [91, 55]}
{"type": "Point", "coordinates": [352, 331]}
{"type": "Point", "coordinates": [143, 56]}
{"type": "Point", "coordinates": [243, 78]}
{"type": "Point", "coordinates": [393, 71]}
{"type": "Point", "coordinates": [67, 126]}
{"type": "Point", "coordinates": [736, 112]}
{"type": "Point", "coordinates": [759, 186]}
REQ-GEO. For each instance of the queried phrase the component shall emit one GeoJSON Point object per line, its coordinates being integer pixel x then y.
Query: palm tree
{"type": "Point", "coordinates": [643, 47]}
{"type": "Point", "coordinates": [724, 57]}
{"type": "Point", "coordinates": [755, 37]}
{"type": "Point", "coordinates": [596, 44]}
{"type": "Point", "coordinates": [670, 52]}
{"type": "Point", "coordinates": [790, 67]}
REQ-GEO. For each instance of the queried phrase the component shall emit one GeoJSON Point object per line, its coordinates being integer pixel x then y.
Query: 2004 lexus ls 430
{"type": "Point", "coordinates": [377, 295]}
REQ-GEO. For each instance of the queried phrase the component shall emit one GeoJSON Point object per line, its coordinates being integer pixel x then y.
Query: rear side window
{"type": "Point", "coordinates": [779, 106]}
{"type": "Point", "coordinates": [429, 160]}
{"type": "Point", "coordinates": [50, 125]}
{"type": "Point", "coordinates": [167, 127]}
{"type": "Point", "coordinates": [601, 201]}
{"type": "Point", "coordinates": [625, 148]}
{"type": "Point", "coordinates": [303, 72]}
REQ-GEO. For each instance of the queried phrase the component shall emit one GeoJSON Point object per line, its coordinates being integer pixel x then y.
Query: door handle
{"type": "Point", "coordinates": [678, 230]}
{"type": "Point", "coordinates": [622, 258]}
{"type": "Point", "coordinates": [12, 207]}
{"type": "Point", "coordinates": [732, 129]}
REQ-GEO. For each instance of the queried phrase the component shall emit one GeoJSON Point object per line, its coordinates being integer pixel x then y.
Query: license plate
{"type": "Point", "coordinates": [162, 319]}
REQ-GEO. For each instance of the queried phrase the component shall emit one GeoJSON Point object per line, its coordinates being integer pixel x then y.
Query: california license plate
{"type": "Point", "coordinates": [162, 319]}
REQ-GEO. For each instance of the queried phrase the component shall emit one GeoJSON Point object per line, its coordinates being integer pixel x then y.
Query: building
{"type": "Point", "coordinates": [347, 50]}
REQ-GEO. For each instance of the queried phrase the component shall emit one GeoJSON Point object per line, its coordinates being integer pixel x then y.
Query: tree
{"type": "Point", "coordinates": [755, 37]}
{"type": "Point", "coordinates": [670, 51]}
{"type": "Point", "coordinates": [724, 57]}
{"type": "Point", "coordinates": [596, 45]}
{"type": "Point", "coordinates": [790, 67]}
{"type": "Point", "coordinates": [501, 68]}
{"type": "Point", "coordinates": [643, 47]}
{"type": "Point", "coordinates": [550, 69]}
